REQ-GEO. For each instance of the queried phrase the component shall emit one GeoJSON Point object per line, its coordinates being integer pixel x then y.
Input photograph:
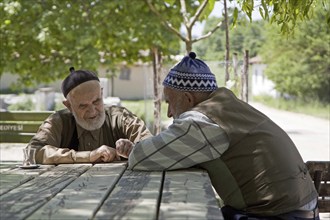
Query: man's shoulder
{"type": "Point", "coordinates": [61, 114]}
{"type": "Point", "coordinates": [63, 111]}
{"type": "Point", "coordinates": [115, 110]}
{"type": "Point", "coordinates": [119, 113]}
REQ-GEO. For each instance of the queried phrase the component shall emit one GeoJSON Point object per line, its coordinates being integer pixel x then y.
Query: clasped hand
{"type": "Point", "coordinates": [109, 154]}
{"type": "Point", "coordinates": [124, 147]}
{"type": "Point", "coordinates": [103, 154]}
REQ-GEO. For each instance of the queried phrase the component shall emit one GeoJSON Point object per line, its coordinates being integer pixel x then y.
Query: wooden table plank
{"type": "Point", "coordinates": [188, 194]}
{"type": "Point", "coordinates": [5, 166]}
{"type": "Point", "coordinates": [136, 196]}
{"type": "Point", "coordinates": [28, 197]}
{"type": "Point", "coordinates": [105, 191]}
{"type": "Point", "coordinates": [13, 176]}
{"type": "Point", "coordinates": [82, 197]}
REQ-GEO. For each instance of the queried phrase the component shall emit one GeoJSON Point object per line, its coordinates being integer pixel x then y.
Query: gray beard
{"type": "Point", "coordinates": [91, 124]}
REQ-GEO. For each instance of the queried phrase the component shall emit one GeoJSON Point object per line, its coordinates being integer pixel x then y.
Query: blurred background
{"type": "Point", "coordinates": [274, 53]}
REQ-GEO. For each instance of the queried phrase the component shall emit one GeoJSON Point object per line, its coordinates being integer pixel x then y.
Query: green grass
{"type": "Point", "coordinates": [144, 109]}
{"type": "Point", "coordinates": [314, 108]}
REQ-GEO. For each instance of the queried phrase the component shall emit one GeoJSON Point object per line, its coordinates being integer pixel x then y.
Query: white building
{"type": "Point", "coordinates": [133, 82]}
{"type": "Point", "coordinates": [260, 84]}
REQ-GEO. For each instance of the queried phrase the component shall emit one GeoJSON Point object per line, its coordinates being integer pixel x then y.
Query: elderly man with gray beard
{"type": "Point", "coordinates": [85, 132]}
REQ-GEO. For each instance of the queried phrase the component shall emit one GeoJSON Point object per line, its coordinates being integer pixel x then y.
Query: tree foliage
{"type": "Point", "coordinates": [300, 66]}
{"type": "Point", "coordinates": [245, 36]}
{"type": "Point", "coordinates": [286, 14]}
{"type": "Point", "coordinates": [297, 64]}
{"type": "Point", "coordinates": [41, 40]}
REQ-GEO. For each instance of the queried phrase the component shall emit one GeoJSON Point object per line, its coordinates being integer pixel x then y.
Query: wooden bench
{"type": "Point", "coordinates": [320, 173]}
{"type": "Point", "coordinates": [20, 126]}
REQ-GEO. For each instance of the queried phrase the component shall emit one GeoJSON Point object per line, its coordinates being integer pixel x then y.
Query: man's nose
{"type": "Point", "coordinates": [91, 109]}
{"type": "Point", "coordinates": [169, 113]}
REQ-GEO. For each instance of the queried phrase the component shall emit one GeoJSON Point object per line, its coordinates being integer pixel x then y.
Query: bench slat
{"type": "Point", "coordinates": [320, 172]}
{"type": "Point", "coordinates": [325, 190]}
{"type": "Point", "coordinates": [318, 165]}
{"type": "Point", "coordinates": [19, 127]}
{"type": "Point", "coordinates": [324, 205]}
{"type": "Point", "coordinates": [16, 138]}
{"type": "Point", "coordinates": [24, 115]}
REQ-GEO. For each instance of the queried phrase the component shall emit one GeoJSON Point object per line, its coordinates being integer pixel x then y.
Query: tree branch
{"type": "Point", "coordinates": [184, 12]}
{"type": "Point", "coordinates": [208, 33]}
{"type": "Point", "coordinates": [198, 13]}
{"type": "Point", "coordinates": [166, 23]}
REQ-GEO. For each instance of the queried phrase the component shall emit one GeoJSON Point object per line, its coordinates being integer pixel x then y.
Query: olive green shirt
{"type": "Point", "coordinates": [262, 171]}
{"type": "Point", "coordinates": [53, 141]}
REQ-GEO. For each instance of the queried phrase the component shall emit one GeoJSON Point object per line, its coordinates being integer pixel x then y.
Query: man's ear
{"type": "Point", "coordinates": [67, 104]}
{"type": "Point", "coordinates": [190, 98]}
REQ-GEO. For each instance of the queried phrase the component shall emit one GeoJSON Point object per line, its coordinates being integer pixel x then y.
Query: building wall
{"type": "Point", "coordinates": [136, 82]}
{"type": "Point", "coordinates": [261, 85]}
{"type": "Point", "coordinates": [133, 82]}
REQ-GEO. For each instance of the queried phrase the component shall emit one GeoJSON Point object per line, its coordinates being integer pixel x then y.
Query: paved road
{"type": "Point", "coordinates": [310, 134]}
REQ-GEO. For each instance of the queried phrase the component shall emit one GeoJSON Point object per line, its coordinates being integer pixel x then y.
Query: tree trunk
{"type": "Point", "coordinates": [227, 42]}
{"type": "Point", "coordinates": [112, 80]}
{"type": "Point", "coordinates": [157, 67]}
{"type": "Point", "coordinates": [188, 46]}
{"type": "Point", "coordinates": [245, 78]}
{"type": "Point", "coordinates": [235, 67]}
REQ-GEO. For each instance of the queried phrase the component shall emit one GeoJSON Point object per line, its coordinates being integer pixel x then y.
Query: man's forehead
{"type": "Point", "coordinates": [85, 88]}
{"type": "Point", "coordinates": [166, 92]}
{"type": "Point", "coordinates": [170, 93]}
{"type": "Point", "coordinates": [167, 89]}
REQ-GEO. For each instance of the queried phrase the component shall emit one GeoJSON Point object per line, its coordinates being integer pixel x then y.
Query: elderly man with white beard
{"type": "Point", "coordinates": [85, 132]}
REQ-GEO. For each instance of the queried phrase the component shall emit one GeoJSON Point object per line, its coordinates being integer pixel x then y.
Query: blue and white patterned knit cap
{"type": "Point", "coordinates": [191, 74]}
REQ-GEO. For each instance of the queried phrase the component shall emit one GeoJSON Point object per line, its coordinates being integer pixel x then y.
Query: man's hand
{"type": "Point", "coordinates": [103, 154]}
{"type": "Point", "coordinates": [124, 147]}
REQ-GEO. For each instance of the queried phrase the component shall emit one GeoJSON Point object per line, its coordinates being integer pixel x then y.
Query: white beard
{"type": "Point", "coordinates": [91, 124]}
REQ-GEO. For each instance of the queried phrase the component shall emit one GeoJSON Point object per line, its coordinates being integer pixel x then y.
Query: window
{"type": "Point", "coordinates": [125, 73]}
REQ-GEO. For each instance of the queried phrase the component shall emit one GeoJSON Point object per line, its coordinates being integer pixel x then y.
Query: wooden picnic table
{"type": "Point", "coordinates": [105, 191]}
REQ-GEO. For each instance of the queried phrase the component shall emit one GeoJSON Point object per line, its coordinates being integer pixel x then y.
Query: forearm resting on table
{"type": "Point", "coordinates": [53, 155]}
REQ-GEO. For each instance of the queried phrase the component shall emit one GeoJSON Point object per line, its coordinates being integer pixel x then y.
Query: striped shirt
{"type": "Point", "coordinates": [192, 139]}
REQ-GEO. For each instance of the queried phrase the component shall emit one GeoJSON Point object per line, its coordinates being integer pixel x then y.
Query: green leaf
{"type": "Point", "coordinates": [235, 16]}
{"type": "Point", "coordinates": [170, 2]}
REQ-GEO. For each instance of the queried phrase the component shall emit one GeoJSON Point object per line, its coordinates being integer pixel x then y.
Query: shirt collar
{"type": "Point", "coordinates": [94, 133]}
